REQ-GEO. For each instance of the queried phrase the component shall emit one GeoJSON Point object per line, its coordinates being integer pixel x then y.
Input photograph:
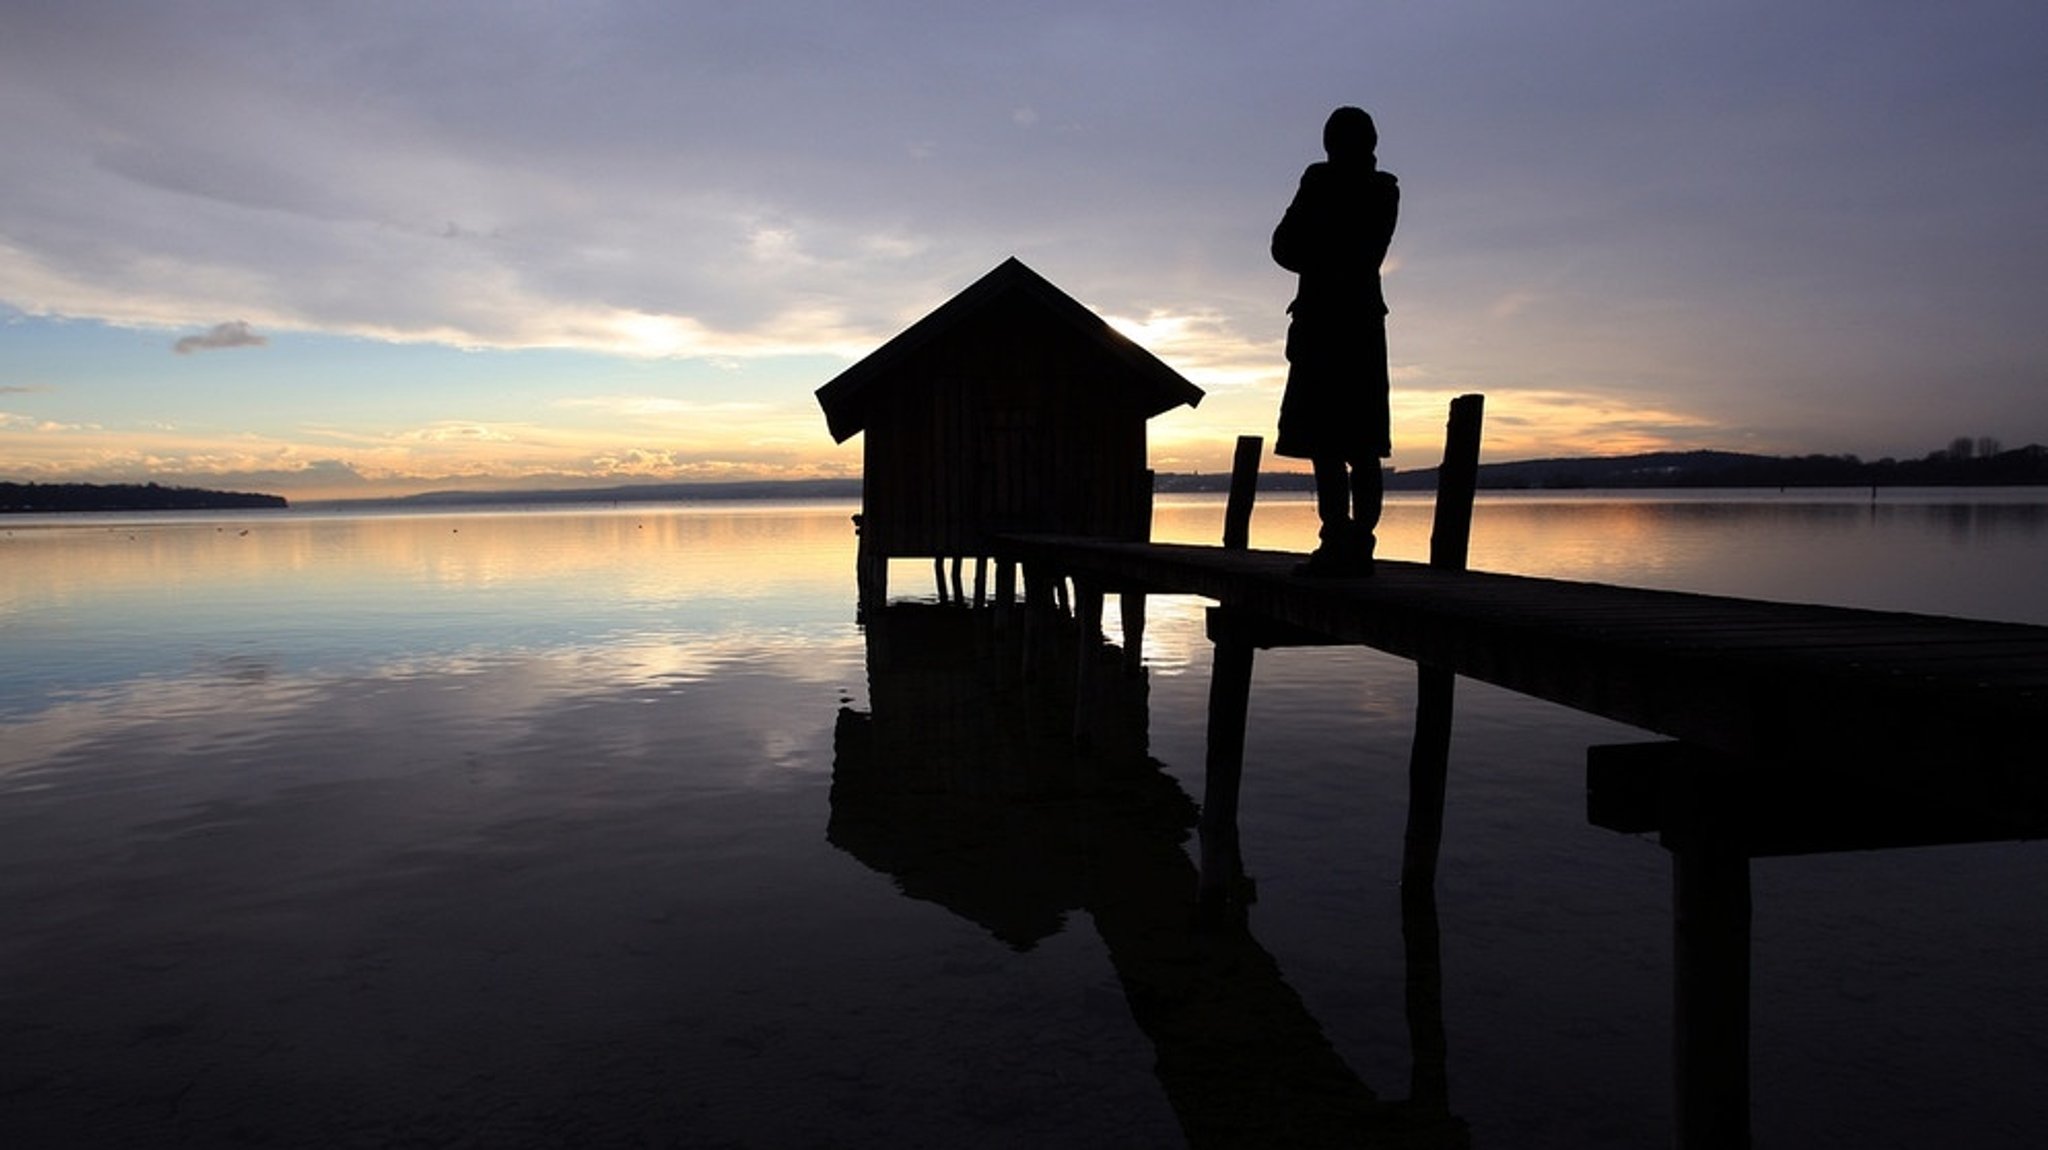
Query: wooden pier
{"type": "Point", "coordinates": [1791, 728]}
{"type": "Point", "coordinates": [1952, 709]}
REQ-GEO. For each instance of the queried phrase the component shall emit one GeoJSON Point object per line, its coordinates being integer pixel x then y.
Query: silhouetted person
{"type": "Point", "coordinates": [1335, 411]}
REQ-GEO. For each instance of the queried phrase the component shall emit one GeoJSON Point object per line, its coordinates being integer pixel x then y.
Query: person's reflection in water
{"type": "Point", "coordinates": [975, 798]}
{"type": "Point", "coordinates": [1334, 412]}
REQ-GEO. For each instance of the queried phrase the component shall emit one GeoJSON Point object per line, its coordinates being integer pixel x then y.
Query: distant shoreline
{"type": "Point", "coordinates": [72, 498]}
{"type": "Point", "coordinates": [2021, 467]}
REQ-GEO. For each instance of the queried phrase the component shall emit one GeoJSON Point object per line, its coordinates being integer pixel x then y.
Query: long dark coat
{"type": "Point", "coordinates": [1335, 236]}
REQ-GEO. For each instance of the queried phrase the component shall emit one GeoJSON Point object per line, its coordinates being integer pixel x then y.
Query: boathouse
{"type": "Point", "coordinates": [1010, 408]}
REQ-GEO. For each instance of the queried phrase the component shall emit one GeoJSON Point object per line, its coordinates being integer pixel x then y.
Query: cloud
{"type": "Point", "coordinates": [235, 333]}
{"type": "Point", "coordinates": [645, 406]}
{"type": "Point", "coordinates": [1620, 196]}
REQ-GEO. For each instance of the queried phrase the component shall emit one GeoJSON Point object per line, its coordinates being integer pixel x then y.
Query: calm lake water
{"type": "Point", "coordinates": [596, 827]}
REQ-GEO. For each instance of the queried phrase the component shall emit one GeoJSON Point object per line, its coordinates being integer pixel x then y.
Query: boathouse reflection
{"type": "Point", "coordinates": [966, 785]}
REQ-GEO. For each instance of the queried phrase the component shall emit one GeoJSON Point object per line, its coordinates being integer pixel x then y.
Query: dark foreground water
{"type": "Point", "coordinates": [602, 828]}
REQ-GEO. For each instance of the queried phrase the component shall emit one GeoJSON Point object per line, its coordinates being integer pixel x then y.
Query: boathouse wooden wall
{"type": "Point", "coordinates": [1011, 408]}
{"type": "Point", "coordinates": [1006, 426]}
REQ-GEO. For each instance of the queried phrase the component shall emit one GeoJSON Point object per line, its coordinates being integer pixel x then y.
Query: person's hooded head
{"type": "Point", "coordinates": [1349, 136]}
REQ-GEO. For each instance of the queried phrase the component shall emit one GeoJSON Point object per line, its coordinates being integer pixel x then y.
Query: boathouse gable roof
{"type": "Point", "coordinates": [1010, 300]}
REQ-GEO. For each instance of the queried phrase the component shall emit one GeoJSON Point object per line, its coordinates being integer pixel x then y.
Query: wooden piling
{"type": "Point", "coordinates": [1456, 481]}
{"type": "Point", "coordinates": [1230, 693]}
{"type": "Point", "coordinates": [1710, 999]}
{"type": "Point", "coordinates": [1087, 637]}
{"type": "Point", "coordinates": [1244, 487]}
{"type": "Point", "coordinates": [1131, 606]}
{"type": "Point", "coordinates": [1702, 807]}
{"type": "Point", "coordinates": [1006, 593]}
{"type": "Point", "coordinates": [1038, 606]}
{"type": "Point", "coordinates": [1230, 690]}
{"type": "Point", "coordinates": [1449, 543]}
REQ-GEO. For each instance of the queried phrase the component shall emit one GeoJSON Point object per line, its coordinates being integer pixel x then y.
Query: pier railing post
{"type": "Point", "coordinates": [1230, 689]}
{"type": "Point", "coordinates": [1429, 770]}
{"type": "Point", "coordinates": [1244, 486]}
{"type": "Point", "coordinates": [1456, 482]}
{"type": "Point", "coordinates": [1429, 761]}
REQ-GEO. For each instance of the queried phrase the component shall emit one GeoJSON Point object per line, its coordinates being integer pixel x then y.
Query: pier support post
{"type": "Point", "coordinates": [1710, 955]}
{"type": "Point", "coordinates": [1131, 606]}
{"type": "Point", "coordinates": [1230, 692]}
{"type": "Point", "coordinates": [1710, 1021]}
{"type": "Point", "coordinates": [1449, 544]}
{"type": "Point", "coordinates": [1695, 802]}
{"type": "Point", "coordinates": [1428, 777]}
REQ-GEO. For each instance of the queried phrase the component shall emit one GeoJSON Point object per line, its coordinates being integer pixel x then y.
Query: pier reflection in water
{"type": "Point", "coordinates": [964, 783]}
{"type": "Point", "coordinates": [1714, 815]}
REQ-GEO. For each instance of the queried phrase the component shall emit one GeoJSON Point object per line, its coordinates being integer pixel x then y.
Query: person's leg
{"type": "Point", "coordinates": [1368, 494]}
{"type": "Point", "coordinates": [1343, 549]}
{"type": "Point", "coordinates": [1333, 503]}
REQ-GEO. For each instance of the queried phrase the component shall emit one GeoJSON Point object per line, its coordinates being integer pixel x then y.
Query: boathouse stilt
{"type": "Point", "coordinates": [1131, 607]}
{"type": "Point", "coordinates": [1087, 635]}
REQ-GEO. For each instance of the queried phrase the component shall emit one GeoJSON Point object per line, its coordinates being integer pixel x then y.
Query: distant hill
{"type": "Point", "coordinates": [2025, 466]}
{"type": "Point", "coordinates": [72, 497]}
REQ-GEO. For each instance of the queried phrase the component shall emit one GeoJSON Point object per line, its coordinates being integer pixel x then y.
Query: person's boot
{"type": "Point", "coordinates": [1364, 543]}
{"type": "Point", "coordinates": [1338, 556]}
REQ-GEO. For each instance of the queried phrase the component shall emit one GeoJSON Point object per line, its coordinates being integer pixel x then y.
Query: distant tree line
{"type": "Point", "coordinates": [46, 497]}
{"type": "Point", "coordinates": [1964, 463]}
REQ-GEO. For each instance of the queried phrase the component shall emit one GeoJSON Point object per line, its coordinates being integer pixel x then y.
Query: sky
{"type": "Point", "coordinates": [335, 250]}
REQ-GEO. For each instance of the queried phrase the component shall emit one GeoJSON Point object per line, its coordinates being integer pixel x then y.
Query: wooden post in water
{"type": "Point", "coordinates": [1710, 1023]}
{"type": "Point", "coordinates": [1707, 817]}
{"type": "Point", "coordinates": [1131, 605]}
{"type": "Point", "coordinates": [1429, 772]}
{"type": "Point", "coordinates": [870, 570]}
{"type": "Point", "coordinates": [1087, 636]}
{"type": "Point", "coordinates": [1244, 486]}
{"type": "Point", "coordinates": [1449, 543]}
{"type": "Point", "coordinates": [1456, 481]}
{"type": "Point", "coordinates": [1006, 592]}
{"type": "Point", "coordinates": [1230, 691]}
{"type": "Point", "coordinates": [1230, 694]}
{"type": "Point", "coordinates": [1038, 606]}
